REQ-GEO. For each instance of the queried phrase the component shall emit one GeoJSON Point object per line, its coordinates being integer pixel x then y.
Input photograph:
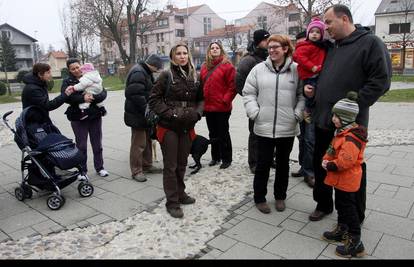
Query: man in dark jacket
{"type": "Point", "coordinates": [356, 61]}
{"type": "Point", "coordinates": [257, 53]}
{"type": "Point", "coordinates": [138, 86]}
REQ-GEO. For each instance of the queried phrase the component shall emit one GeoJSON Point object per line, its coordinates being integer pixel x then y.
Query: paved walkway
{"type": "Point", "coordinates": [123, 217]}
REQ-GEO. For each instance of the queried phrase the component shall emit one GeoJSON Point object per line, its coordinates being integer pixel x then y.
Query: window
{"type": "Point", "coordinates": [207, 25]}
{"type": "Point", "coordinates": [158, 37]}
{"type": "Point", "coordinates": [179, 20]}
{"type": "Point", "coordinates": [262, 22]}
{"type": "Point", "coordinates": [400, 28]}
{"type": "Point", "coordinates": [162, 50]}
{"type": "Point", "coordinates": [162, 22]}
{"type": "Point", "coordinates": [145, 39]}
{"type": "Point", "coordinates": [162, 37]}
{"type": "Point", "coordinates": [6, 34]}
{"type": "Point", "coordinates": [293, 30]}
{"type": "Point", "coordinates": [294, 17]}
{"type": "Point", "coordinates": [179, 33]}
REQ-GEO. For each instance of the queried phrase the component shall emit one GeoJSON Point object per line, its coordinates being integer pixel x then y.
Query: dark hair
{"type": "Point", "coordinates": [71, 61]}
{"type": "Point", "coordinates": [40, 68]}
{"type": "Point", "coordinates": [340, 10]}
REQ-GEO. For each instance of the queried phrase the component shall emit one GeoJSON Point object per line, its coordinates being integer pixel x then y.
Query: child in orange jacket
{"type": "Point", "coordinates": [342, 162]}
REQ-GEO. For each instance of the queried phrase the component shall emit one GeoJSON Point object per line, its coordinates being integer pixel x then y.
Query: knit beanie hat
{"type": "Point", "coordinates": [154, 61]}
{"type": "Point", "coordinates": [316, 23]}
{"type": "Point", "coordinates": [347, 108]}
{"type": "Point", "coordinates": [87, 67]}
{"type": "Point", "coordinates": [259, 36]}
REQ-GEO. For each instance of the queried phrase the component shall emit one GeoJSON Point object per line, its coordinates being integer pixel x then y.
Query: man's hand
{"type": "Point", "coordinates": [69, 90]}
{"type": "Point", "coordinates": [88, 98]}
{"type": "Point", "coordinates": [308, 90]}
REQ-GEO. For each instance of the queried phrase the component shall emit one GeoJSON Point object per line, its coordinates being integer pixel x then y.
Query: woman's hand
{"type": "Point", "coordinates": [88, 98]}
{"type": "Point", "coordinates": [69, 90]}
{"type": "Point", "coordinates": [308, 90]}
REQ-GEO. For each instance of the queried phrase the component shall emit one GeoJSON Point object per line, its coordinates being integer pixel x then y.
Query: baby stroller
{"type": "Point", "coordinates": [44, 148]}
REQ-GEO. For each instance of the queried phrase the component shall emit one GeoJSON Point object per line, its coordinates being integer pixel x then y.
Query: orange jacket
{"type": "Point", "coordinates": [345, 155]}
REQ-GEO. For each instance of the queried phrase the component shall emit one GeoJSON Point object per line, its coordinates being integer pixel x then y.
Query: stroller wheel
{"type": "Point", "coordinates": [85, 189]}
{"type": "Point", "coordinates": [55, 202]}
{"type": "Point", "coordinates": [19, 193]}
{"type": "Point", "coordinates": [28, 192]}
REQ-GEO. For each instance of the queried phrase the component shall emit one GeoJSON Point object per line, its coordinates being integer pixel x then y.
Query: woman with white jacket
{"type": "Point", "coordinates": [273, 98]}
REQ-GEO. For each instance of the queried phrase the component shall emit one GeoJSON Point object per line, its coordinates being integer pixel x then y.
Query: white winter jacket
{"type": "Point", "coordinates": [274, 100]}
{"type": "Point", "coordinates": [90, 82]}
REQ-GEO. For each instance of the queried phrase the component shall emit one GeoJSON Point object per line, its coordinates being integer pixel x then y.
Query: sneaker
{"type": "Point", "coordinates": [103, 173]}
{"type": "Point", "coordinates": [82, 178]}
{"type": "Point", "coordinates": [152, 169]}
{"type": "Point", "coordinates": [352, 248]}
{"type": "Point", "coordinates": [263, 207]}
{"type": "Point", "coordinates": [187, 200]}
{"type": "Point", "coordinates": [175, 212]}
{"type": "Point", "coordinates": [338, 234]}
{"type": "Point", "coordinates": [139, 177]}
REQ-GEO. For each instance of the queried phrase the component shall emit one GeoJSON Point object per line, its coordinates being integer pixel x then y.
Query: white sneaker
{"type": "Point", "coordinates": [103, 173]}
{"type": "Point", "coordinates": [82, 178]}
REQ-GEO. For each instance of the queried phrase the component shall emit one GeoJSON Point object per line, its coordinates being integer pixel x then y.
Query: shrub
{"type": "Point", "coordinates": [64, 73]}
{"type": "Point", "coordinates": [3, 88]}
{"type": "Point", "coordinates": [21, 74]}
{"type": "Point", "coordinates": [50, 85]}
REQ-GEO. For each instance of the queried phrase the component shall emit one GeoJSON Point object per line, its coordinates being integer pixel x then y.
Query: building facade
{"type": "Point", "coordinates": [23, 45]}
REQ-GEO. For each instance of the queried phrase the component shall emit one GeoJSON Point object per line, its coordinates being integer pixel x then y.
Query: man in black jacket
{"type": "Point", "coordinates": [138, 86]}
{"type": "Point", "coordinates": [356, 61]}
{"type": "Point", "coordinates": [257, 53]}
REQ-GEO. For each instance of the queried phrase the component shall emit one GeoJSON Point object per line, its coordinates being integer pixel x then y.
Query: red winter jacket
{"type": "Point", "coordinates": [220, 88]}
{"type": "Point", "coordinates": [307, 55]}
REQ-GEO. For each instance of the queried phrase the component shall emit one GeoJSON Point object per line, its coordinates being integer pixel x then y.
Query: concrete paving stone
{"type": "Point", "coordinates": [373, 166]}
{"type": "Point", "coordinates": [2, 190]}
{"type": "Point", "coordinates": [10, 206]}
{"type": "Point", "coordinates": [118, 168]}
{"type": "Point", "coordinates": [57, 229]}
{"type": "Point", "coordinates": [83, 224]}
{"type": "Point", "coordinates": [384, 151]}
{"type": "Point", "coordinates": [403, 148]}
{"type": "Point", "coordinates": [329, 252]}
{"type": "Point", "coordinates": [99, 219]}
{"type": "Point", "coordinates": [222, 242]}
{"type": "Point", "coordinates": [370, 240]}
{"type": "Point", "coordinates": [384, 193]}
{"type": "Point", "coordinates": [386, 178]}
{"type": "Point", "coordinates": [301, 188]}
{"type": "Point", "coordinates": [389, 224]}
{"type": "Point", "coordinates": [240, 217]}
{"type": "Point", "coordinates": [239, 211]}
{"type": "Point", "coordinates": [406, 171]}
{"type": "Point", "coordinates": [72, 226]}
{"type": "Point", "coordinates": [147, 195]}
{"type": "Point", "coordinates": [391, 247]}
{"type": "Point", "coordinates": [291, 246]}
{"type": "Point", "coordinates": [300, 216]}
{"type": "Point", "coordinates": [115, 206]}
{"type": "Point", "coordinates": [292, 225]}
{"type": "Point", "coordinates": [226, 226]}
{"type": "Point", "coordinates": [25, 232]}
{"type": "Point", "coordinates": [398, 154]}
{"type": "Point", "coordinates": [44, 225]}
{"type": "Point", "coordinates": [207, 257]}
{"type": "Point", "coordinates": [244, 251]}
{"type": "Point", "coordinates": [155, 180]}
{"type": "Point", "coordinates": [301, 202]}
{"type": "Point", "coordinates": [22, 220]}
{"type": "Point", "coordinates": [390, 160]}
{"type": "Point", "coordinates": [372, 186]}
{"type": "Point", "coordinates": [273, 218]}
{"type": "Point", "coordinates": [10, 177]}
{"type": "Point", "coordinates": [411, 215]}
{"type": "Point", "coordinates": [233, 221]}
{"type": "Point", "coordinates": [388, 187]}
{"type": "Point", "coordinates": [316, 229]}
{"type": "Point", "coordinates": [253, 232]}
{"type": "Point", "coordinates": [3, 237]}
{"type": "Point", "coordinates": [388, 205]}
{"type": "Point", "coordinates": [214, 253]}
{"type": "Point", "coordinates": [123, 186]}
{"type": "Point", "coordinates": [292, 183]}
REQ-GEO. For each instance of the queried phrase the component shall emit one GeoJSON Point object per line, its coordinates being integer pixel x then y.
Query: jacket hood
{"type": "Point", "coordinates": [257, 51]}
{"type": "Point", "coordinates": [93, 76]}
{"type": "Point", "coordinates": [354, 36]}
{"type": "Point", "coordinates": [30, 78]}
{"type": "Point", "coordinates": [358, 131]}
{"type": "Point", "coordinates": [286, 67]}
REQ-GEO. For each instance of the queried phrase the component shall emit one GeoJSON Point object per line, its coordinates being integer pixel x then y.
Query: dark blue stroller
{"type": "Point", "coordinates": [44, 148]}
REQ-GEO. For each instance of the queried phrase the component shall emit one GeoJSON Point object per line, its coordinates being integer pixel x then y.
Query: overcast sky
{"type": "Point", "coordinates": [40, 18]}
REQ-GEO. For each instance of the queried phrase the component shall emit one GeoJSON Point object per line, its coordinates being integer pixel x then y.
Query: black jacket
{"type": "Point", "coordinates": [138, 86]}
{"type": "Point", "coordinates": [360, 63]}
{"type": "Point", "coordinates": [35, 94]}
{"type": "Point", "coordinates": [73, 112]}
{"type": "Point", "coordinates": [246, 64]}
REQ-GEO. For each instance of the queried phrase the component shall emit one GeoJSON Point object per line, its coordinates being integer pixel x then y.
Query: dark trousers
{"type": "Point", "coordinates": [347, 208]}
{"type": "Point", "coordinates": [175, 150]}
{"type": "Point", "coordinates": [266, 148]}
{"type": "Point", "coordinates": [93, 128]}
{"type": "Point", "coordinates": [218, 128]}
{"type": "Point", "coordinates": [306, 145]}
{"type": "Point", "coordinates": [252, 146]}
{"type": "Point", "coordinates": [322, 193]}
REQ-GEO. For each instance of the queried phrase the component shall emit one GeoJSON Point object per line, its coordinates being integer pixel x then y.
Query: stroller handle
{"type": "Point", "coordinates": [7, 114]}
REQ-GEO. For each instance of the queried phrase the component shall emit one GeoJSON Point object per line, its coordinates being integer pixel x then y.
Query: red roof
{"type": "Point", "coordinates": [58, 54]}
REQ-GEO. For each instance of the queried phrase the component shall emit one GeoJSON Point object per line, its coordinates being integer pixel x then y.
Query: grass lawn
{"type": "Point", "coordinates": [400, 78]}
{"type": "Point", "coordinates": [111, 83]}
{"type": "Point", "coordinates": [9, 99]}
{"type": "Point", "coordinates": [406, 95]}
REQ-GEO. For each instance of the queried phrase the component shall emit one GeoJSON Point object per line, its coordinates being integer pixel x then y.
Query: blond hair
{"type": "Point", "coordinates": [284, 41]}
{"type": "Point", "coordinates": [191, 69]}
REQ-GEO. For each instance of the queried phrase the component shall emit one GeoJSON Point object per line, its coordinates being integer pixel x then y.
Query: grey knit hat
{"type": "Point", "coordinates": [347, 108]}
{"type": "Point", "coordinates": [155, 61]}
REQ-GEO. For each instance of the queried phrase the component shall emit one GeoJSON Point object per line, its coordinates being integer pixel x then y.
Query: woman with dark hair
{"type": "Point", "coordinates": [178, 100]}
{"type": "Point", "coordinates": [35, 90]}
{"type": "Point", "coordinates": [217, 76]}
{"type": "Point", "coordinates": [82, 125]}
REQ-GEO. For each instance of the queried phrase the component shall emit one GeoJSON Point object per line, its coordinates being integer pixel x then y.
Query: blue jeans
{"type": "Point", "coordinates": [306, 144]}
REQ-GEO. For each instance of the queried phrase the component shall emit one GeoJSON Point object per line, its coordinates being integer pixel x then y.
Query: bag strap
{"type": "Point", "coordinates": [211, 72]}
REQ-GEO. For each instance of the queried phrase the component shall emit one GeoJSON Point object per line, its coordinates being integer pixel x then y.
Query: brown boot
{"type": "Point", "coordinates": [280, 205]}
{"type": "Point", "coordinates": [310, 181]}
{"type": "Point", "coordinates": [175, 212]}
{"type": "Point", "coordinates": [263, 207]}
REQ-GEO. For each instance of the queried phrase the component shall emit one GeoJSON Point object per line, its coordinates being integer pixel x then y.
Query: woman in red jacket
{"type": "Point", "coordinates": [218, 79]}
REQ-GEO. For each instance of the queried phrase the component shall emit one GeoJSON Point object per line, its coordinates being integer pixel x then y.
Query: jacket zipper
{"type": "Point", "coordinates": [277, 89]}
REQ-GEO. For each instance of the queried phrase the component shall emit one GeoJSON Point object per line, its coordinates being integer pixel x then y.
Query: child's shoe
{"type": "Point", "coordinates": [352, 248]}
{"type": "Point", "coordinates": [307, 116]}
{"type": "Point", "coordinates": [338, 234]}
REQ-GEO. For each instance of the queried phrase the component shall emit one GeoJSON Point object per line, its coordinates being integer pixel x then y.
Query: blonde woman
{"type": "Point", "coordinates": [178, 100]}
{"type": "Point", "coordinates": [217, 77]}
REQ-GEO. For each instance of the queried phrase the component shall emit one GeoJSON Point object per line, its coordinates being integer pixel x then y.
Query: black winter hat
{"type": "Point", "coordinates": [259, 36]}
{"type": "Point", "coordinates": [154, 61]}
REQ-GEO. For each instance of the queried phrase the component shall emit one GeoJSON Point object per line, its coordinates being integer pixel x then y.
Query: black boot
{"type": "Point", "coordinates": [338, 234]}
{"type": "Point", "coordinates": [352, 248]}
{"type": "Point", "coordinates": [214, 162]}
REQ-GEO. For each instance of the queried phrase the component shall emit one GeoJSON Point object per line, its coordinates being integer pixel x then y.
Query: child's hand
{"type": "Point", "coordinates": [325, 163]}
{"type": "Point", "coordinates": [69, 90]}
{"type": "Point", "coordinates": [314, 68]}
